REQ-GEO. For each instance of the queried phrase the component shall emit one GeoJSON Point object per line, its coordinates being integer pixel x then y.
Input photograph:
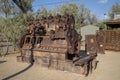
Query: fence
{"type": "Point", "coordinates": [112, 39]}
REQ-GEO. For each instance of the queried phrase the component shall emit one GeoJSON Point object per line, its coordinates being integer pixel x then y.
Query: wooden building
{"type": "Point", "coordinates": [113, 24]}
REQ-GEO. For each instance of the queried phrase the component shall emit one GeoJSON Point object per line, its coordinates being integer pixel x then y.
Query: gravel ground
{"type": "Point", "coordinates": [108, 69]}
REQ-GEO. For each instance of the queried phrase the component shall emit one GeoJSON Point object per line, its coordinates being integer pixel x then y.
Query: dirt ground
{"type": "Point", "coordinates": [108, 69]}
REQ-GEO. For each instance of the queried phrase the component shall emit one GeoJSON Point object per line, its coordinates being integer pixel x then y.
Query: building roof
{"type": "Point", "coordinates": [90, 26]}
{"type": "Point", "coordinates": [109, 22]}
{"type": "Point", "coordinates": [113, 24]}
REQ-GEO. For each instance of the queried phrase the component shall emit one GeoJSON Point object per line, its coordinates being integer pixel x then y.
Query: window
{"type": "Point", "coordinates": [27, 40]}
{"type": "Point", "coordinates": [39, 40]}
{"type": "Point", "coordinates": [33, 40]}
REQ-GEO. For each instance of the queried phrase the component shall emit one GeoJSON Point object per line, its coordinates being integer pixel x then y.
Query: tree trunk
{"type": "Point", "coordinates": [19, 4]}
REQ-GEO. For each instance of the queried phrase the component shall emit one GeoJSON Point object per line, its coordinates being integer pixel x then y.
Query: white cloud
{"type": "Point", "coordinates": [103, 1]}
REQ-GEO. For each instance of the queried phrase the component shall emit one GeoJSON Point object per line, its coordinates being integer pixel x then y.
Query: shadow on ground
{"type": "Point", "coordinates": [13, 75]}
{"type": "Point", "coordinates": [2, 62]}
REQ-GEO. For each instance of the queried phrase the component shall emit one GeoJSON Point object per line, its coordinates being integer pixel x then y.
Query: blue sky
{"type": "Point", "coordinates": [97, 7]}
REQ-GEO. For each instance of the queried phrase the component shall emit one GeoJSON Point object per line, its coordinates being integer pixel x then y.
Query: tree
{"type": "Point", "coordinates": [74, 9]}
{"type": "Point", "coordinates": [15, 7]}
{"type": "Point", "coordinates": [13, 22]}
{"type": "Point", "coordinates": [52, 12]}
{"type": "Point", "coordinates": [83, 14]}
{"type": "Point", "coordinates": [115, 9]}
{"type": "Point", "coordinates": [7, 7]}
{"type": "Point", "coordinates": [12, 28]}
{"type": "Point", "coordinates": [24, 5]}
{"type": "Point", "coordinates": [101, 25]}
{"type": "Point", "coordinates": [69, 8]}
{"type": "Point", "coordinates": [92, 19]}
{"type": "Point", "coordinates": [84, 17]}
{"type": "Point", "coordinates": [43, 11]}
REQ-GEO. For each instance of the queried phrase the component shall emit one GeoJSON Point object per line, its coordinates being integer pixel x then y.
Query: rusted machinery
{"type": "Point", "coordinates": [54, 43]}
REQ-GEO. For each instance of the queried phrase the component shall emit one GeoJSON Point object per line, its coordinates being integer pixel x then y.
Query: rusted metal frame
{"type": "Point", "coordinates": [45, 50]}
{"type": "Point", "coordinates": [57, 46]}
{"type": "Point", "coordinates": [91, 44]}
{"type": "Point", "coordinates": [46, 46]}
{"type": "Point", "coordinates": [71, 38]}
{"type": "Point", "coordinates": [92, 64]}
{"type": "Point", "coordinates": [25, 40]}
{"type": "Point", "coordinates": [85, 67]}
{"type": "Point", "coordinates": [86, 63]}
{"type": "Point", "coordinates": [81, 61]}
{"type": "Point", "coordinates": [78, 47]}
{"type": "Point", "coordinates": [31, 37]}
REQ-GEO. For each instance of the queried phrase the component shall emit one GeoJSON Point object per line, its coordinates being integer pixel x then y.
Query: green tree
{"type": "Point", "coordinates": [12, 28]}
{"type": "Point", "coordinates": [70, 8]}
{"type": "Point", "coordinates": [15, 7]}
{"type": "Point", "coordinates": [101, 25]}
{"type": "Point", "coordinates": [43, 11]}
{"type": "Point", "coordinates": [79, 11]}
{"type": "Point", "coordinates": [84, 17]}
{"type": "Point", "coordinates": [92, 19]}
{"type": "Point", "coordinates": [13, 24]}
{"type": "Point", "coordinates": [52, 12]}
{"type": "Point", "coordinates": [115, 9]}
{"type": "Point", "coordinates": [7, 8]}
{"type": "Point", "coordinates": [83, 13]}
{"type": "Point", "coordinates": [24, 5]}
